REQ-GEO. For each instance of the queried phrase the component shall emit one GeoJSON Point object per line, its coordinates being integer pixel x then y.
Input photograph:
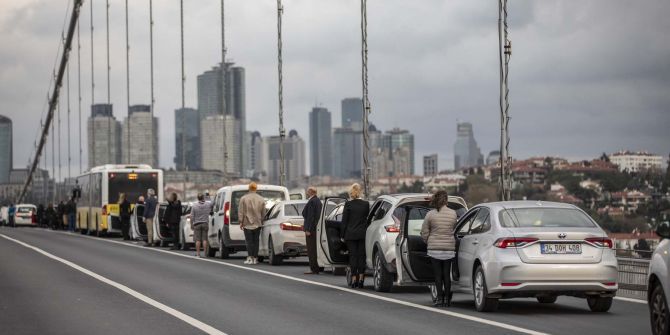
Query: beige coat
{"type": "Point", "coordinates": [251, 210]}
{"type": "Point", "coordinates": [438, 229]}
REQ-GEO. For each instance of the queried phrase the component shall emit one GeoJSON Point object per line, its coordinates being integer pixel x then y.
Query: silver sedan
{"type": "Point", "coordinates": [282, 235]}
{"type": "Point", "coordinates": [534, 249]}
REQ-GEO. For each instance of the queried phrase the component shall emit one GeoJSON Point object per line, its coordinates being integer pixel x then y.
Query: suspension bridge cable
{"type": "Point", "coordinates": [92, 159]}
{"type": "Point", "coordinates": [59, 137]}
{"type": "Point", "coordinates": [53, 159]}
{"type": "Point", "coordinates": [69, 156]}
{"type": "Point", "coordinates": [504, 52]}
{"type": "Point", "coordinates": [183, 83]}
{"type": "Point", "coordinates": [127, 89]}
{"type": "Point", "coordinates": [366, 101]}
{"type": "Point", "coordinates": [151, 52]}
{"type": "Point", "coordinates": [79, 94]}
{"type": "Point", "coordinates": [109, 121]}
{"type": "Point", "coordinates": [280, 93]}
{"type": "Point", "coordinates": [224, 72]}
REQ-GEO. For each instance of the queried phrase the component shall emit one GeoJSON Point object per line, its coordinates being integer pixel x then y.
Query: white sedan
{"type": "Point", "coordinates": [282, 235]}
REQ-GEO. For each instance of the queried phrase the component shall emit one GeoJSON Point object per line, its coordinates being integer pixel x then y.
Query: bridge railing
{"type": "Point", "coordinates": [633, 271]}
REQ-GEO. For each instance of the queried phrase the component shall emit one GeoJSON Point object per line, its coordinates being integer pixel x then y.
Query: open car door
{"type": "Point", "coordinates": [138, 230]}
{"type": "Point", "coordinates": [331, 252]}
{"type": "Point", "coordinates": [412, 259]}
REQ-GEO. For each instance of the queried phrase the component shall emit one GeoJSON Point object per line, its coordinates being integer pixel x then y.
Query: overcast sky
{"type": "Point", "coordinates": [586, 77]}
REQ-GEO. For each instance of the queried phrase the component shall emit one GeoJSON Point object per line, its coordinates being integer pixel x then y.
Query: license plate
{"type": "Point", "coordinates": [561, 248]}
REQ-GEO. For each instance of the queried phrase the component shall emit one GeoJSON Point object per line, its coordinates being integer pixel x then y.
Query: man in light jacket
{"type": "Point", "coordinates": [251, 213]}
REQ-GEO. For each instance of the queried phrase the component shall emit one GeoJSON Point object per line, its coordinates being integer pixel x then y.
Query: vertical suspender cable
{"type": "Point", "coordinates": [224, 73]}
{"type": "Point", "coordinates": [59, 144]}
{"type": "Point", "coordinates": [92, 159]}
{"type": "Point", "coordinates": [109, 121]}
{"type": "Point", "coordinates": [280, 93]}
{"type": "Point", "coordinates": [151, 62]}
{"type": "Point", "coordinates": [505, 51]}
{"type": "Point", "coordinates": [127, 89]}
{"type": "Point", "coordinates": [183, 83]}
{"type": "Point", "coordinates": [53, 160]}
{"type": "Point", "coordinates": [79, 94]}
{"type": "Point", "coordinates": [69, 154]}
{"type": "Point", "coordinates": [366, 101]}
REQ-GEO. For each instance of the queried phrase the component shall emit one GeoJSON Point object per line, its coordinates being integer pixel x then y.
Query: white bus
{"type": "Point", "coordinates": [99, 190]}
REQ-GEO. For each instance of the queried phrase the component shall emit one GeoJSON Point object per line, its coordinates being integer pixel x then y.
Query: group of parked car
{"type": "Point", "coordinates": [25, 215]}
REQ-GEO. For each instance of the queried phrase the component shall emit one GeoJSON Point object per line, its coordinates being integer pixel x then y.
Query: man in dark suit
{"type": "Point", "coordinates": [311, 213]}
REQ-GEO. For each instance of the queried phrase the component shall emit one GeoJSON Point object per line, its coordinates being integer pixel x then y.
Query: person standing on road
{"type": "Point", "coordinates": [124, 214]}
{"type": "Point", "coordinates": [354, 226]}
{"type": "Point", "coordinates": [438, 233]}
{"type": "Point", "coordinates": [251, 213]}
{"type": "Point", "coordinates": [50, 214]}
{"type": "Point", "coordinates": [311, 213]}
{"type": "Point", "coordinates": [71, 213]}
{"type": "Point", "coordinates": [40, 215]}
{"type": "Point", "coordinates": [11, 212]}
{"type": "Point", "coordinates": [172, 218]}
{"type": "Point", "coordinates": [62, 217]}
{"type": "Point", "coordinates": [200, 212]}
{"type": "Point", "coordinates": [150, 206]}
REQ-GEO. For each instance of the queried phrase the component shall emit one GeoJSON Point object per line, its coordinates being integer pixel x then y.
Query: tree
{"type": "Point", "coordinates": [479, 190]}
{"type": "Point", "coordinates": [666, 182]}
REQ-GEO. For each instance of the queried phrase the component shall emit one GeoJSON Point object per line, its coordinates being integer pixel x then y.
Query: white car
{"type": "Point", "coordinates": [224, 233]}
{"type": "Point", "coordinates": [138, 230]}
{"type": "Point", "coordinates": [282, 235]}
{"type": "Point", "coordinates": [185, 231]}
{"type": "Point", "coordinates": [659, 283]}
{"type": "Point", "coordinates": [4, 218]}
{"type": "Point", "coordinates": [26, 214]}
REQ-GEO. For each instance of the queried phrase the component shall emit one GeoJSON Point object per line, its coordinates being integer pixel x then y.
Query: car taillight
{"type": "Point", "coordinates": [104, 210]}
{"type": "Point", "coordinates": [600, 242]}
{"type": "Point", "coordinates": [290, 226]}
{"type": "Point", "coordinates": [392, 228]}
{"type": "Point", "coordinates": [514, 242]}
{"type": "Point", "coordinates": [509, 284]}
{"type": "Point", "coordinates": [609, 283]}
{"type": "Point", "coordinates": [226, 213]}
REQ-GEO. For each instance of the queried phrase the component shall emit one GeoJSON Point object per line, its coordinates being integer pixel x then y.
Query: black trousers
{"type": "Point", "coordinates": [311, 252]}
{"type": "Point", "coordinates": [356, 256]}
{"type": "Point", "coordinates": [442, 270]}
{"type": "Point", "coordinates": [174, 230]}
{"type": "Point", "coordinates": [125, 227]}
{"type": "Point", "coordinates": [251, 236]}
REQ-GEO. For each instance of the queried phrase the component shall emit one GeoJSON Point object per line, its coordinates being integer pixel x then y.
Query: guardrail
{"type": "Point", "coordinates": [633, 271]}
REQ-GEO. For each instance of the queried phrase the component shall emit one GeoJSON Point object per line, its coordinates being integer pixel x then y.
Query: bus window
{"type": "Point", "coordinates": [132, 184]}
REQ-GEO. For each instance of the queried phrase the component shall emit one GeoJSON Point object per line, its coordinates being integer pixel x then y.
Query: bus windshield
{"type": "Point", "coordinates": [133, 184]}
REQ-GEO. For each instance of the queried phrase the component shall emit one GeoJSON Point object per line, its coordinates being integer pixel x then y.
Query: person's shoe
{"type": "Point", "coordinates": [361, 284]}
{"type": "Point", "coordinates": [247, 261]}
{"type": "Point", "coordinates": [438, 303]}
{"type": "Point", "coordinates": [449, 297]}
{"type": "Point", "coordinates": [354, 284]}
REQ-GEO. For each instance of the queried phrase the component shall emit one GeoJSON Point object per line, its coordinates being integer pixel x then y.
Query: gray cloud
{"type": "Point", "coordinates": [586, 77]}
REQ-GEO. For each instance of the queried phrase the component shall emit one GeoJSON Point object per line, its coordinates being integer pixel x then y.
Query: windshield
{"type": "Point", "coordinates": [293, 209]}
{"type": "Point", "coordinates": [271, 198]}
{"type": "Point", "coordinates": [132, 184]}
{"type": "Point", "coordinates": [544, 217]}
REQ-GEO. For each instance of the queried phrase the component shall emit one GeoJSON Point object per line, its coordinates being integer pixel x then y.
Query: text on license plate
{"type": "Point", "coordinates": [561, 248]}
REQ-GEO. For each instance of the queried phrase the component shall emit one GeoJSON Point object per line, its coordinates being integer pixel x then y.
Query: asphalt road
{"type": "Point", "coordinates": [61, 283]}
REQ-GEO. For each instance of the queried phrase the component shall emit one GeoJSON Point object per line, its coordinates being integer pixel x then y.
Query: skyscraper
{"type": "Point", "coordinates": [352, 113]}
{"type": "Point", "coordinates": [210, 98]}
{"type": "Point", "coordinates": [466, 151]}
{"type": "Point", "coordinates": [211, 143]}
{"type": "Point", "coordinates": [401, 147]}
{"type": "Point", "coordinates": [187, 139]}
{"type": "Point", "coordinates": [104, 136]}
{"type": "Point", "coordinates": [141, 129]}
{"type": "Point", "coordinates": [6, 154]}
{"type": "Point", "coordinates": [294, 157]}
{"type": "Point", "coordinates": [347, 153]}
{"type": "Point", "coordinates": [380, 156]}
{"type": "Point", "coordinates": [320, 139]}
{"type": "Point", "coordinates": [430, 165]}
{"type": "Point", "coordinates": [255, 147]}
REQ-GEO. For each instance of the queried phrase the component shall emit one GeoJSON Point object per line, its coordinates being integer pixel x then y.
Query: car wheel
{"type": "Point", "coordinates": [209, 251]}
{"type": "Point", "coordinates": [224, 253]}
{"type": "Point", "coordinates": [273, 259]}
{"type": "Point", "coordinates": [482, 302]}
{"type": "Point", "coordinates": [383, 281]}
{"type": "Point", "coordinates": [659, 312]}
{"type": "Point", "coordinates": [547, 299]}
{"type": "Point", "coordinates": [599, 304]}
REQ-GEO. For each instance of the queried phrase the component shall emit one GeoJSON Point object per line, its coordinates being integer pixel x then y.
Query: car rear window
{"type": "Point", "coordinates": [24, 210]}
{"type": "Point", "coordinates": [271, 198]}
{"type": "Point", "coordinates": [544, 217]}
{"type": "Point", "coordinates": [293, 209]}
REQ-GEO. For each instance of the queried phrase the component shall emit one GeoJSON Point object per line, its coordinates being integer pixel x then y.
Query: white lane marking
{"type": "Point", "coordinates": [365, 294]}
{"type": "Point", "coordinates": [167, 309]}
{"type": "Point", "coordinates": [637, 301]}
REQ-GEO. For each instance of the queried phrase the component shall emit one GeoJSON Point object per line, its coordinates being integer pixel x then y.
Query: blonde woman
{"type": "Point", "coordinates": [354, 226]}
{"type": "Point", "coordinates": [124, 214]}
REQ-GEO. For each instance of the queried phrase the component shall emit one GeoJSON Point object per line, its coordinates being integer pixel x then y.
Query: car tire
{"type": "Point", "coordinates": [547, 299]}
{"type": "Point", "coordinates": [599, 304]}
{"type": "Point", "coordinates": [224, 253]}
{"type": "Point", "coordinates": [480, 292]}
{"type": "Point", "coordinates": [209, 251]}
{"type": "Point", "coordinates": [273, 258]}
{"type": "Point", "coordinates": [383, 280]}
{"type": "Point", "coordinates": [658, 312]}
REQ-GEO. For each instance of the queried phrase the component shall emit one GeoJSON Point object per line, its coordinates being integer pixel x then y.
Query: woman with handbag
{"type": "Point", "coordinates": [354, 227]}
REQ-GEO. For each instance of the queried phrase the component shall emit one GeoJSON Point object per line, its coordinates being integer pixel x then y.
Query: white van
{"type": "Point", "coordinates": [224, 230]}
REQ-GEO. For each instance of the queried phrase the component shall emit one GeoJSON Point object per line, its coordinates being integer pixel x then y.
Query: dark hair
{"type": "Point", "coordinates": [201, 197]}
{"type": "Point", "coordinates": [439, 199]}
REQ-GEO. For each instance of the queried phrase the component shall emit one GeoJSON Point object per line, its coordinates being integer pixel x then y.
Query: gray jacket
{"type": "Point", "coordinates": [438, 229]}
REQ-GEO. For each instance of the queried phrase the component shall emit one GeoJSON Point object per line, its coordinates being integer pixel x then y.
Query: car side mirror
{"type": "Point", "coordinates": [663, 230]}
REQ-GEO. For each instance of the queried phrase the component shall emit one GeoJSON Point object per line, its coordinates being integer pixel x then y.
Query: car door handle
{"type": "Point", "coordinates": [475, 242]}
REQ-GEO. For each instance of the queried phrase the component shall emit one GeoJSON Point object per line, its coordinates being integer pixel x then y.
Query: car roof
{"type": "Point", "coordinates": [525, 204]}
{"type": "Point", "coordinates": [245, 187]}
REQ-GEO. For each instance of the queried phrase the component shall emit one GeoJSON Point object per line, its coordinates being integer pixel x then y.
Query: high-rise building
{"type": "Point", "coordinates": [347, 153]}
{"type": "Point", "coordinates": [104, 136]}
{"type": "Point", "coordinates": [401, 147]}
{"type": "Point", "coordinates": [636, 161]}
{"type": "Point", "coordinates": [255, 146]}
{"type": "Point", "coordinates": [140, 136]}
{"type": "Point", "coordinates": [211, 143]}
{"type": "Point", "coordinates": [187, 139]}
{"type": "Point", "coordinates": [294, 158]}
{"type": "Point", "coordinates": [430, 165]}
{"type": "Point", "coordinates": [352, 113]}
{"type": "Point", "coordinates": [466, 151]}
{"type": "Point", "coordinates": [380, 156]}
{"type": "Point", "coordinates": [493, 157]}
{"type": "Point", "coordinates": [210, 99]}
{"type": "Point", "coordinates": [320, 139]}
{"type": "Point", "coordinates": [6, 144]}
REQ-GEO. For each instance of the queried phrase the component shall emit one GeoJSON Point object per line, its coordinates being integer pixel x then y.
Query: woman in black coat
{"type": "Point", "coordinates": [354, 226]}
{"type": "Point", "coordinates": [124, 213]}
{"type": "Point", "coordinates": [172, 217]}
